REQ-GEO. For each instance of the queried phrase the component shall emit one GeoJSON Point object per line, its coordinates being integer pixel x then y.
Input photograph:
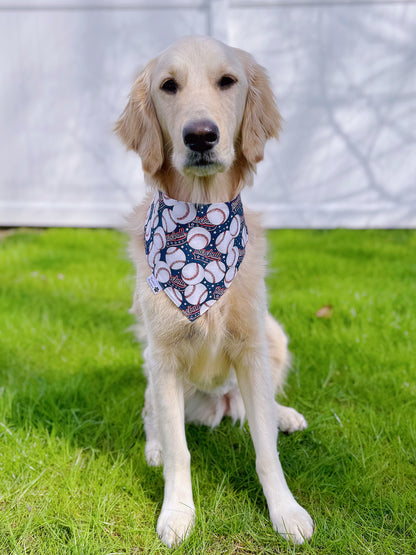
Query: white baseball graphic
{"type": "Point", "coordinates": [224, 242]}
{"type": "Point", "coordinates": [183, 212]}
{"type": "Point", "coordinates": [232, 257]}
{"type": "Point", "coordinates": [215, 271]}
{"type": "Point", "coordinates": [235, 226]}
{"type": "Point", "coordinates": [174, 295]}
{"type": "Point", "coordinates": [168, 201]}
{"type": "Point", "coordinates": [193, 273]}
{"type": "Point", "coordinates": [175, 258]}
{"type": "Point", "coordinates": [229, 276]}
{"type": "Point", "coordinates": [244, 238]}
{"type": "Point", "coordinates": [154, 256]}
{"type": "Point", "coordinates": [162, 272]}
{"type": "Point", "coordinates": [198, 238]}
{"type": "Point", "coordinates": [218, 213]}
{"type": "Point", "coordinates": [196, 294]}
{"type": "Point", "coordinates": [159, 238]}
{"type": "Point", "coordinates": [168, 223]}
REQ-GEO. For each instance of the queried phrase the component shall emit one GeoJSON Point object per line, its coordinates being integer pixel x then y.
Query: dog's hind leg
{"type": "Point", "coordinates": [289, 419]}
{"type": "Point", "coordinates": [279, 355]}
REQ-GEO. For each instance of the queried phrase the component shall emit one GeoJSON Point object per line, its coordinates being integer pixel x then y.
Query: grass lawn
{"type": "Point", "coordinates": [73, 478]}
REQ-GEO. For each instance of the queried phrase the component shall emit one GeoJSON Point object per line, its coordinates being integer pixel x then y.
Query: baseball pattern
{"type": "Point", "coordinates": [192, 273]}
{"type": "Point", "coordinates": [175, 258]}
{"type": "Point", "coordinates": [198, 238]}
{"type": "Point", "coordinates": [215, 271]}
{"type": "Point", "coordinates": [194, 250]}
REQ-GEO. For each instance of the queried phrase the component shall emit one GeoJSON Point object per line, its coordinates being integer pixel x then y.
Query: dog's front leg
{"type": "Point", "coordinates": [287, 516]}
{"type": "Point", "coordinates": [178, 512]}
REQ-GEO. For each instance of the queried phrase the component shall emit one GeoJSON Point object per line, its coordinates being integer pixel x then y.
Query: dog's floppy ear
{"type": "Point", "coordinates": [261, 120]}
{"type": "Point", "coordinates": [138, 126]}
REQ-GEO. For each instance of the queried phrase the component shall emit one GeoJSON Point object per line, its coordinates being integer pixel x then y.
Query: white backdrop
{"type": "Point", "coordinates": [344, 74]}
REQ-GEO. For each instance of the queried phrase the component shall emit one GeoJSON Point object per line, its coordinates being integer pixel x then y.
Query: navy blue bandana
{"type": "Point", "coordinates": [194, 250]}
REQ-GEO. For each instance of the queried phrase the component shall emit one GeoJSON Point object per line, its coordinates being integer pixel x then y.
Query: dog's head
{"type": "Point", "coordinates": [200, 106]}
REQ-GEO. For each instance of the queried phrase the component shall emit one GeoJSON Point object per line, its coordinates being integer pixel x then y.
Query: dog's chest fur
{"type": "Point", "coordinates": [206, 362]}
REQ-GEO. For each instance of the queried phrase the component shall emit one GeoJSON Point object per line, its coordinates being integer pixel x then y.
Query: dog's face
{"type": "Point", "coordinates": [200, 106]}
{"type": "Point", "coordinates": [199, 91]}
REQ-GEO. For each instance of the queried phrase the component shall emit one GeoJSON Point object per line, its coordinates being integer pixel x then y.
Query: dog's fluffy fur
{"type": "Point", "coordinates": [232, 359]}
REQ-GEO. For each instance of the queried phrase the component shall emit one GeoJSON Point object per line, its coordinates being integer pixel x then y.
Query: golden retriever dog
{"type": "Point", "coordinates": [199, 115]}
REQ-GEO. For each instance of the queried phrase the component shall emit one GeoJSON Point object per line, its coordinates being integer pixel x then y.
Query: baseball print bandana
{"type": "Point", "coordinates": [194, 250]}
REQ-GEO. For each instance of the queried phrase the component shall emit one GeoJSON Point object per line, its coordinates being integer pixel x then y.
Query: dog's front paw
{"type": "Point", "coordinates": [175, 524]}
{"type": "Point", "coordinates": [293, 523]}
{"type": "Point", "coordinates": [290, 420]}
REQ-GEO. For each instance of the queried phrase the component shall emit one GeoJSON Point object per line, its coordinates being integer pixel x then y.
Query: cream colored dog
{"type": "Point", "coordinates": [199, 116]}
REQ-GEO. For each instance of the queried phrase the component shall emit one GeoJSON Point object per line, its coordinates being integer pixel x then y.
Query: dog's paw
{"type": "Point", "coordinates": [175, 524]}
{"type": "Point", "coordinates": [153, 453]}
{"type": "Point", "coordinates": [290, 420]}
{"type": "Point", "coordinates": [293, 523]}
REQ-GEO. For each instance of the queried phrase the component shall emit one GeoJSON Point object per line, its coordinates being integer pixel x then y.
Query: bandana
{"type": "Point", "coordinates": [194, 250]}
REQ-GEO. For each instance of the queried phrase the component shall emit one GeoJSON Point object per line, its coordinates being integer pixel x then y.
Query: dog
{"type": "Point", "coordinates": [199, 116]}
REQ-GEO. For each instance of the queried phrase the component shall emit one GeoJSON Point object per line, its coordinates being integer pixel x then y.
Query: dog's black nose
{"type": "Point", "coordinates": [201, 135]}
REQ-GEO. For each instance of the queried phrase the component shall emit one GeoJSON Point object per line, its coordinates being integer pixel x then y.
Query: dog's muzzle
{"type": "Point", "coordinates": [200, 137]}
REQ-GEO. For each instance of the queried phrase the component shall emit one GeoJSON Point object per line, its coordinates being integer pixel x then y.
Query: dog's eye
{"type": "Point", "coordinates": [226, 82]}
{"type": "Point", "coordinates": [170, 86]}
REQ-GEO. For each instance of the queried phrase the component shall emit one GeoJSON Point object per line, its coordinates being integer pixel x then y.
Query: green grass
{"type": "Point", "coordinates": [73, 478]}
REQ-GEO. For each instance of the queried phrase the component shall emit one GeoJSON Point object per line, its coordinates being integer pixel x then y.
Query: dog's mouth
{"type": "Point", "coordinates": [202, 164]}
